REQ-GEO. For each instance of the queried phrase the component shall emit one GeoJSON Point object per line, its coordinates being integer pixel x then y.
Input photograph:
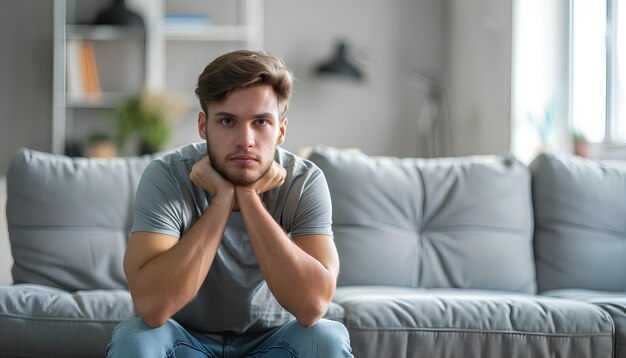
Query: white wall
{"type": "Point", "coordinates": [25, 77]}
{"type": "Point", "coordinates": [378, 115]}
{"type": "Point", "coordinates": [478, 75]}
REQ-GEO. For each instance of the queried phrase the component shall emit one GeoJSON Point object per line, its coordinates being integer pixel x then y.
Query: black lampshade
{"type": "Point", "coordinates": [339, 65]}
{"type": "Point", "coordinates": [118, 14]}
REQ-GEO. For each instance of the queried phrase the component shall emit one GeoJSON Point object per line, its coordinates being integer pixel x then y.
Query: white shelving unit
{"type": "Point", "coordinates": [130, 59]}
{"type": "Point", "coordinates": [102, 33]}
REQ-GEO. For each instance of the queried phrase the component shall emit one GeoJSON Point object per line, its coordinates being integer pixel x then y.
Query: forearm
{"type": "Point", "coordinates": [170, 280]}
{"type": "Point", "coordinates": [300, 283]}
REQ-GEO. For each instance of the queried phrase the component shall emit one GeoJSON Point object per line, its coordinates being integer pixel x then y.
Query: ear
{"type": "Point", "coordinates": [202, 125]}
{"type": "Point", "coordinates": [282, 131]}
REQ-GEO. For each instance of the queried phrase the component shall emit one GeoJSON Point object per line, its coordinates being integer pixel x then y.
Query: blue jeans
{"type": "Point", "coordinates": [133, 338]}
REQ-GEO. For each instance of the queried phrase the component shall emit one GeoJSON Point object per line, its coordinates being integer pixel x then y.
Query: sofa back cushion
{"type": "Point", "coordinates": [451, 222]}
{"type": "Point", "coordinates": [580, 223]}
{"type": "Point", "coordinates": [69, 218]}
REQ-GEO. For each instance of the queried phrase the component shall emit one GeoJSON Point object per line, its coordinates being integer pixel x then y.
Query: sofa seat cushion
{"type": "Point", "coordinates": [614, 303]}
{"type": "Point", "coordinates": [408, 322]}
{"type": "Point", "coordinates": [38, 321]}
{"type": "Point", "coordinates": [335, 312]}
{"type": "Point", "coordinates": [444, 222]}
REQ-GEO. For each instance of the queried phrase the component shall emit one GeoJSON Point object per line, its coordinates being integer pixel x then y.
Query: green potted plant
{"type": "Point", "coordinates": [149, 117]}
{"type": "Point", "coordinates": [581, 145]}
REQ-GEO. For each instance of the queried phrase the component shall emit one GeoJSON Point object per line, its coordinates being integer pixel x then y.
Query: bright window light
{"type": "Point", "coordinates": [589, 68]}
{"type": "Point", "coordinates": [618, 71]}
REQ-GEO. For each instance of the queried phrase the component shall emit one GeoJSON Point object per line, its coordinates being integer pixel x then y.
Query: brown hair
{"type": "Point", "coordinates": [242, 69]}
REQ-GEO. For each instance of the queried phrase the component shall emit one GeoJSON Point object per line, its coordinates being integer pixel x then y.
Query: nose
{"type": "Point", "coordinates": [246, 137]}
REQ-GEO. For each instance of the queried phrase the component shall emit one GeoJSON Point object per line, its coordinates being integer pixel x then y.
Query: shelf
{"type": "Point", "coordinates": [207, 33]}
{"type": "Point", "coordinates": [103, 32]}
{"type": "Point", "coordinates": [118, 62]}
{"type": "Point", "coordinates": [106, 100]}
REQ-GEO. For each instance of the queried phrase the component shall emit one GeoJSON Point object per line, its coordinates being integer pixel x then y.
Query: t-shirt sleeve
{"type": "Point", "coordinates": [157, 206]}
{"type": "Point", "coordinates": [313, 215]}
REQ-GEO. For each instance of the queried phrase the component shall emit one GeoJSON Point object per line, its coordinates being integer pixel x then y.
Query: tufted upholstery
{"type": "Point", "coordinates": [455, 222]}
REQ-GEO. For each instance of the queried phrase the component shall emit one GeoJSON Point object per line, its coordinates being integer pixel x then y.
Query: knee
{"type": "Point", "coordinates": [329, 339]}
{"type": "Point", "coordinates": [331, 332]}
{"type": "Point", "coordinates": [129, 328]}
{"type": "Point", "coordinates": [124, 335]}
{"type": "Point", "coordinates": [134, 335]}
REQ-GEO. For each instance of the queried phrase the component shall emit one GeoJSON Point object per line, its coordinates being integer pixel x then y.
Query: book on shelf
{"type": "Point", "coordinates": [83, 81]}
{"type": "Point", "coordinates": [186, 22]}
{"type": "Point", "coordinates": [92, 81]}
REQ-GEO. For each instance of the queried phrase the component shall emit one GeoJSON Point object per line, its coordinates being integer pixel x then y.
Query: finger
{"type": "Point", "coordinates": [278, 169]}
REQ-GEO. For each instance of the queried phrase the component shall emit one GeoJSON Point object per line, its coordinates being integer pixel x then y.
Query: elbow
{"type": "Point", "coordinates": [155, 310]}
{"type": "Point", "coordinates": [311, 314]}
{"type": "Point", "coordinates": [154, 321]}
{"type": "Point", "coordinates": [308, 322]}
{"type": "Point", "coordinates": [153, 317]}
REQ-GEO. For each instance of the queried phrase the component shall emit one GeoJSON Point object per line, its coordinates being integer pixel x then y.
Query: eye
{"type": "Point", "coordinates": [262, 122]}
{"type": "Point", "coordinates": [227, 122]}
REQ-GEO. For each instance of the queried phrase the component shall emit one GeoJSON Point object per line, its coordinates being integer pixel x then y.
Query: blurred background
{"type": "Point", "coordinates": [422, 78]}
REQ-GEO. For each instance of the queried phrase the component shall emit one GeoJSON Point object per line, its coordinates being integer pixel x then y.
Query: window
{"type": "Point", "coordinates": [598, 70]}
{"type": "Point", "coordinates": [617, 71]}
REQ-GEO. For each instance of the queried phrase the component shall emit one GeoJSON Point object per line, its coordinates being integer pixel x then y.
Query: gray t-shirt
{"type": "Point", "coordinates": [234, 297]}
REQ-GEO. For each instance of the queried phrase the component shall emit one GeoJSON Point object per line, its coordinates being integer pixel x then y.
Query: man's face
{"type": "Point", "coordinates": [242, 133]}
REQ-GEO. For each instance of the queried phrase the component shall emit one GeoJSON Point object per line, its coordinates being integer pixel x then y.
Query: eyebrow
{"type": "Point", "coordinates": [225, 114]}
{"type": "Point", "coordinates": [260, 115]}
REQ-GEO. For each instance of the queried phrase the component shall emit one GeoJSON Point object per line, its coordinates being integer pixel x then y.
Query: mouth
{"type": "Point", "coordinates": [243, 159]}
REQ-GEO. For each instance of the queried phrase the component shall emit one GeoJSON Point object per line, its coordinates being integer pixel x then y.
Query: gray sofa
{"type": "Point", "coordinates": [456, 257]}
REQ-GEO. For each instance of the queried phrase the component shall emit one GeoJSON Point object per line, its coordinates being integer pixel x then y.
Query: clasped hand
{"type": "Point", "coordinates": [204, 176]}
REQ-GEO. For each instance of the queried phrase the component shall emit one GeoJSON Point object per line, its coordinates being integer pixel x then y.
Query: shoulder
{"type": "Point", "coordinates": [178, 161]}
{"type": "Point", "coordinates": [303, 176]}
{"type": "Point", "coordinates": [302, 205]}
{"type": "Point", "coordinates": [169, 172]}
{"type": "Point", "coordinates": [185, 155]}
{"type": "Point", "coordinates": [296, 166]}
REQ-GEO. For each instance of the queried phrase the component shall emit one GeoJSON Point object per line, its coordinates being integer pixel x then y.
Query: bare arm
{"type": "Point", "coordinates": [302, 274]}
{"type": "Point", "coordinates": [164, 273]}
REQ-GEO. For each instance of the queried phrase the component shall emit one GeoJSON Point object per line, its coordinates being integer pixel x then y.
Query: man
{"type": "Point", "coordinates": [232, 238]}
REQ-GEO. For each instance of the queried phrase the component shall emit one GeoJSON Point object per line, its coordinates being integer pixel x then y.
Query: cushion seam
{"type": "Point", "coordinates": [448, 330]}
{"type": "Point", "coordinates": [63, 319]}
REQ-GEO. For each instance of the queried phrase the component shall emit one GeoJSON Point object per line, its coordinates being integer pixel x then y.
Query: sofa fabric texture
{"type": "Point", "coordinates": [614, 303]}
{"type": "Point", "coordinates": [452, 257]}
{"type": "Point", "coordinates": [68, 221]}
{"type": "Point", "coordinates": [69, 218]}
{"type": "Point", "coordinates": [580, 228]}
{"type": "Point", "coordinates": [41, 321]}
{"type": "Point", "coordinates": [453, 222]}
{"type": "Point", "coordinates": [406, 322]}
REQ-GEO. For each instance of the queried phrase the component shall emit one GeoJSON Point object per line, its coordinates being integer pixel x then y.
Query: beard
{"type": "Point", "coordinates": [240, 177]}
